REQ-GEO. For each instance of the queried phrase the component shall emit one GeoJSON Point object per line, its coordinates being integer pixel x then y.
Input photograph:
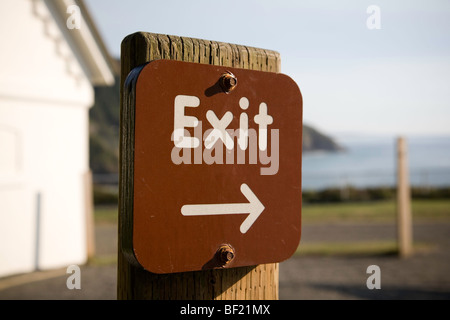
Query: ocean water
{"type": "Point", "coordinates": [371, 162]}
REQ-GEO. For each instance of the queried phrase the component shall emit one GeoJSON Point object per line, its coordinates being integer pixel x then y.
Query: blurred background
{"type": "Point", "coordinates": [369, 72]}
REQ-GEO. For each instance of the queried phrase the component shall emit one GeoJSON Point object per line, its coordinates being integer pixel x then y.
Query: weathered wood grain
{"type": "Point", "coordinates": [256, 282]}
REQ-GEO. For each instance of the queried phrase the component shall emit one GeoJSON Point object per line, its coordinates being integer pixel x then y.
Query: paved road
{"type": "Point", "coordinates": [424, 276]}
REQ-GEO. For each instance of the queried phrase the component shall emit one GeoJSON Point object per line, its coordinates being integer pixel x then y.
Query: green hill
{"type": "Point", "coordinates": [104, 129]}
{"type": "Point", "coordinates": [314, 140]}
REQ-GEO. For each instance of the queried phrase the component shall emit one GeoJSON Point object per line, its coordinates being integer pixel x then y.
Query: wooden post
{"type": "Point", "coordinates": [89, 209]}
{"type": "Point", "coordinates": [404, 222]}
{"type": "Point", "coordinates": [255, 282]}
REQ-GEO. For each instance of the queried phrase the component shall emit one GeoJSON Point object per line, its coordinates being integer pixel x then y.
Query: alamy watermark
{"type": "Point", "coordinates": [374, 280]}
{"type": "Point", "coordinates": [373, 22]}
{"type": "Point", "coordinates": [74, 280]}
{"type": "Point", "coordinates": [74, 20]}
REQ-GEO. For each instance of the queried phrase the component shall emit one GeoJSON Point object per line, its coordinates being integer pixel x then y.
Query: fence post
{"type": "Point", "coordinates": [255, 282]}
{"type": "Point", "coordinates": [404, 220]}
{"type": "Point", "coordinates": [89, 209]}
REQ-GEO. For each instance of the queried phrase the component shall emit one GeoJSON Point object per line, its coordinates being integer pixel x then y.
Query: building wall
{"type": "Point", "coordinates": [44, 103]}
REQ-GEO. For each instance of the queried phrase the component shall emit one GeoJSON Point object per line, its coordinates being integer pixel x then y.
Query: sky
{"type": "Point", "coordinates": [387, 81]}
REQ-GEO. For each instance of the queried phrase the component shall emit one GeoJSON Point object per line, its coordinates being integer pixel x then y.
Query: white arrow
{"type": "Point", "coordinates": [254, 208]}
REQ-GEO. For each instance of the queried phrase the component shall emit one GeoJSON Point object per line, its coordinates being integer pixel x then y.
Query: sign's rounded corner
{"type": "Point", "coordinates": [131, 257]}
{"type": "Point", "coordinates": [295, 248]}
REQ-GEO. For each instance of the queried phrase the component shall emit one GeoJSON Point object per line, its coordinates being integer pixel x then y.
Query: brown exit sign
{"type": "Point", "coordinates": [217, 167]}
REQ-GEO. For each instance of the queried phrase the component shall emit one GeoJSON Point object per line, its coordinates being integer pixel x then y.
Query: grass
{"type": "Point", "coordinates": [431, 209]}
{"type": "Point", "coordinates": [356, 248]}
{"type": "Point", "coordinates": [377, 211]}
{"type": "Point", "coordinates": [106, 214]}
{"type": "Point", "coordinates": [103, 260]}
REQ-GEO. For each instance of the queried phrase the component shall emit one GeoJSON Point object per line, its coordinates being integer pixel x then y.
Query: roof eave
{"type": "Point", "coordinates": [87, 42]}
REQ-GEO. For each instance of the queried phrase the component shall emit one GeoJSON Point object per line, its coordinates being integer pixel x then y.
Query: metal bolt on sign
{"type": "Point", "coordinates": [225, 254]}
{"type": "Point", "coordinates": [228, 82]}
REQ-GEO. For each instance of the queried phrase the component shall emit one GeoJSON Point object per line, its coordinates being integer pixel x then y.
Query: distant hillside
{"type": "Point", "coordinates": [104, 129]}
{"type": "Point", "coordinates": [314, 140]}
{"type": "Point", "coordinates": [104, 132]}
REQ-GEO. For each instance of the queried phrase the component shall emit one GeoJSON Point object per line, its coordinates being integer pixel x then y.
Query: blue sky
{"type": "Point", "coordinates": [389, 81]}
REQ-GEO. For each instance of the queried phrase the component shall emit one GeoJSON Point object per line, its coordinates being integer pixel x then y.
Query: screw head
{"type": "Point", "coordinates": [228, 82]}
{"type": "Point", "coordinates": [225, 254]}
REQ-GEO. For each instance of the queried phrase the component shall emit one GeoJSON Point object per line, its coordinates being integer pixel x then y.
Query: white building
{"type": "Point", "coordinates": [47, 71]}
